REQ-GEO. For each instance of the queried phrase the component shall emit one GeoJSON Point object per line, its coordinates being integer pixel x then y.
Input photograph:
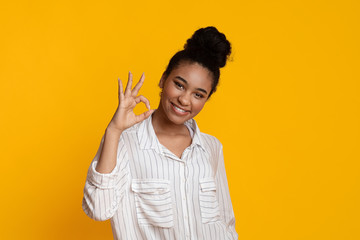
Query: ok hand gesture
{"type": "Point", "coordinates": [124, 116]}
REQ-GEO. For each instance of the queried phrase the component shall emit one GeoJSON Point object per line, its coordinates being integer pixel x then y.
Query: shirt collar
{"type": "Point", "coordinates": [148, 139]}
{"type": "Point", "coordinates": [196, 139]}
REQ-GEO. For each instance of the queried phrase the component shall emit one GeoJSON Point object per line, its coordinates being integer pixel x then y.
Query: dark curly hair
{"type": "Point", "coordinates": [207, 47]}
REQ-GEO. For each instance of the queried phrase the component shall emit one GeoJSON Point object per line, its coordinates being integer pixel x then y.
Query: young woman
{"type": "Point", "coordinates": [155, 175]}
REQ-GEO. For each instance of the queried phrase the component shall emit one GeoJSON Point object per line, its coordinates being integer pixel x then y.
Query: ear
{"type": "Point", "coordinates": [162, 81]}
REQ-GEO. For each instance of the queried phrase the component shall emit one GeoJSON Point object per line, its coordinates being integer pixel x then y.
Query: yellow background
{"type": "Point", "coordinates": [287, 109]}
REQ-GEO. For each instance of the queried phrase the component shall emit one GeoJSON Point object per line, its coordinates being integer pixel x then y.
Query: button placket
{"type": "Point", "coordinates": [184, 198]}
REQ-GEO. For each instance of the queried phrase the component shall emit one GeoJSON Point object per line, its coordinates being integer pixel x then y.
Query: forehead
{"type": "Point", "coordinates": [195, 75]}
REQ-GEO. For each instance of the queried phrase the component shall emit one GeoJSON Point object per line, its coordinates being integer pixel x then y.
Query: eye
{"type": "Point", "coordinates": [198, 95]}
{"type": "Point", "coordinates": [179, 85]}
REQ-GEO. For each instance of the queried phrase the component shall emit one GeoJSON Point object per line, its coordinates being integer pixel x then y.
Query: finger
{"type": "Point", "coordinates": [143, 99]}
{"type": "Point", "coordinates": [137, 87]}
{"type": "Point", "coordinates": [143, 116]}
{"type": "Point", "coordinates": [128, 85]}
{"type": "Point", "coordinates": [120, 89]}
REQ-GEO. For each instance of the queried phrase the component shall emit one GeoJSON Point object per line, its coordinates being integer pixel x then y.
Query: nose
{"type": "Point", "coordinates": [184, 99]}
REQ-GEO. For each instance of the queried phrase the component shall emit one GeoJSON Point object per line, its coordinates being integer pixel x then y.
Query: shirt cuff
{"type": "Point", "coordinates": [102, 180]}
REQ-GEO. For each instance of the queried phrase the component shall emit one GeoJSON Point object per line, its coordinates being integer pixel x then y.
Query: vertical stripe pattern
{"type": "Point", "coordinates": [153, 194]}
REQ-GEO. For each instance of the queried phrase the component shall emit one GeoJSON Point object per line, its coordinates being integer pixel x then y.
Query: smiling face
{"type": "Point", "coordinates": [185, 92]}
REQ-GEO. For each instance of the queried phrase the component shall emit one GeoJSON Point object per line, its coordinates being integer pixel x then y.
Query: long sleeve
{"type": "Point", "coordinates": [223, 195]}
{"type": "Point", "coordinates": [104, 192]}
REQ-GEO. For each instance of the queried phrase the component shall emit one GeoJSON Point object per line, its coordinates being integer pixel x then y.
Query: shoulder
{"type": "Point", "coordinates": [208, 141]}
{"type": "Point", "coordinates": [211, 143]}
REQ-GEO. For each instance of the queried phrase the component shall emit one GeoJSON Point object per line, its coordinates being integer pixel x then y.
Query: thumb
{"type": "Point", "coordinates": [143, 116]}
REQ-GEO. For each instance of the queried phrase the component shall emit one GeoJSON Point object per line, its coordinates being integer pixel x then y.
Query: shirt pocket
{"type": "Point", "coordinates": [153, 202]}
{"type": "Point", "coordinates": [209, 205]}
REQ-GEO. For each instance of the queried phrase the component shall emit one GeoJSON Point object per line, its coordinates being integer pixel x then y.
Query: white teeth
{"type": "Point", "coordinates": [179, 109]}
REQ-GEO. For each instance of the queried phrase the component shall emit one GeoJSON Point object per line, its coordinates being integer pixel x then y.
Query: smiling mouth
{"type": "Point", "coordinates": [179, 109]}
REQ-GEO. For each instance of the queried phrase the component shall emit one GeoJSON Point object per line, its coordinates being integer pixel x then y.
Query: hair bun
{"type": "Point", "coordinates": [210, 45]}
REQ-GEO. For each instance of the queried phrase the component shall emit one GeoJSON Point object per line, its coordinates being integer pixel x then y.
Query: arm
{"type": "Point", "coordinates": [223, 194]}
{"type": "Point", "coordinates": [107, 160]}
{"type": "Point", "coordinates": [103, 191]}
{"type": "Point", "coordinates": [107, 175]}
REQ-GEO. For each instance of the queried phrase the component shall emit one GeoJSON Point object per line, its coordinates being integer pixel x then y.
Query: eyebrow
{"type": "Point", "coordinates": [183, 80]}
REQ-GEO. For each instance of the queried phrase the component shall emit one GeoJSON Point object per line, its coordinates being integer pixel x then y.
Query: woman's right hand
{"type": "Point", "coordinates": [124, 116]}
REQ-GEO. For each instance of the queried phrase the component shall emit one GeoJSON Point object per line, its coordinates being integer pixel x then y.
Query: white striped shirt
{"type": "Point", "coordinates": [153, 194]}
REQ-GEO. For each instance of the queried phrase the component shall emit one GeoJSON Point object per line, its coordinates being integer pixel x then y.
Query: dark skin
{"type": "Point", "coordinates": [185, 92]}
{"type": "Point", "coordinates": [187, 88]}
{"type": "Point", "coordinates": [176, 141]}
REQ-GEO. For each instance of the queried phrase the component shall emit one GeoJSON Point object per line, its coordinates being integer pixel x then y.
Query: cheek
{"type": "Point", "coordinates": [199, 105]}
{"type": "Point", "coordinates": [170, 91]}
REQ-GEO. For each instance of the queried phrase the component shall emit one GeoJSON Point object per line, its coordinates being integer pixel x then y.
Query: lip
{"type": "Point", "coordinates": [177, 111]}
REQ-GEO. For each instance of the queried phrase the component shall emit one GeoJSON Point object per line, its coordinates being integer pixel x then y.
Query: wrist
{"type": "Point", "coordinates": [113, 129]}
